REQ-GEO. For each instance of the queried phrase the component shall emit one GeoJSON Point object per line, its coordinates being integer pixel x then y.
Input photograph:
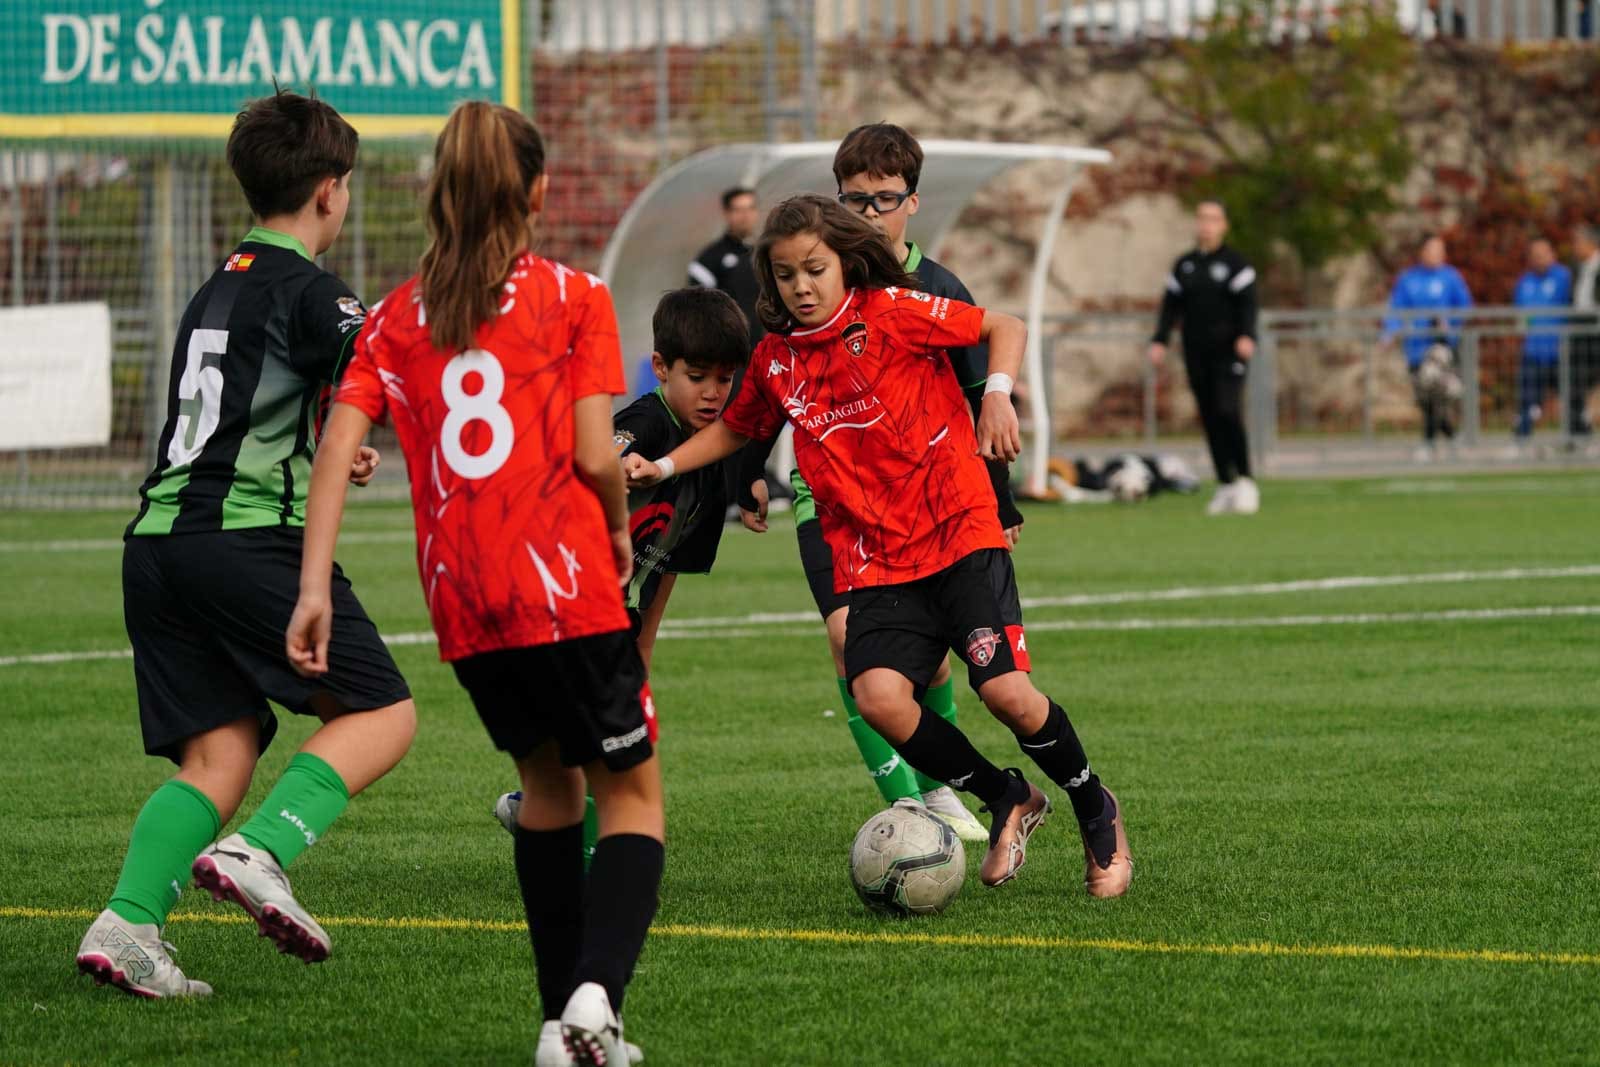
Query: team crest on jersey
{"type": "Point", "coordinates": [1219, 272]}
{"type": "Point", "coordinates": [981, 644]}
{"type": "Point", "coordinates": [622, 440]}
{"type": "Point", "coordinates": [350, 306]}
{"type": "Point", "coordinates": [855, 338]}
{"type": "Point", "coordinates": [239, 261]}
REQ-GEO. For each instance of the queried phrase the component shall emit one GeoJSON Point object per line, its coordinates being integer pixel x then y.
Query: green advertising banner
{"type": "Point", "coordinates": [142, 68]}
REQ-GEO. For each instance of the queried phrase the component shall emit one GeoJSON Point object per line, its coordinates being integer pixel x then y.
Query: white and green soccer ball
{"type": "Point", "coordinates": [906, 861]}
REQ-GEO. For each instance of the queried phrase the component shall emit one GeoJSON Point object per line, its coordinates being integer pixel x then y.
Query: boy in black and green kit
{"type": "Point", "coordinates": [211, 572]}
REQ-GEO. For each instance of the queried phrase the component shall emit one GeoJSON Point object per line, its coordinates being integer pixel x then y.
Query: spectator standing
{"type": "Point", "coordinates": [725, 263]}
{"type": "Point", "coordinates": [1585, 346]}
{"type": "Point", "coordinates": [1432, 285]}
{"type": "Point", "coordinates": [1545, 284]}
{"type": "Point", "coordinates": [1212, 291]}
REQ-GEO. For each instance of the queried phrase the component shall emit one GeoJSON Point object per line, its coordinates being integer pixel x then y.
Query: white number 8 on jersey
{"type": "Point", "coordinates": [482, 406]}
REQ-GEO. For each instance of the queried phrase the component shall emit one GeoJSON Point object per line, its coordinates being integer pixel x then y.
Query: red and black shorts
{"type": "Point", "coordinates": [971, 607]}
{"type": "Point", "coordinates": [588, 695]}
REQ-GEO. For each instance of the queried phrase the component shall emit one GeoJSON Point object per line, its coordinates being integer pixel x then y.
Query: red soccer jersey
{"type": "Point", "coordinates": [882, 433]}
{"type": "Point", "coordinates": [512, 546]}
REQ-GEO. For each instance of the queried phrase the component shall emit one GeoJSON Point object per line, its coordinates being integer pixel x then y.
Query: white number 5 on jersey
{"type": "Point", "coordinates": [199, 396]}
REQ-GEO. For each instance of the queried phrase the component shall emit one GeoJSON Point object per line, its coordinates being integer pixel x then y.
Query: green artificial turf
{"type": "Point", "coordinates": [1429, 782]}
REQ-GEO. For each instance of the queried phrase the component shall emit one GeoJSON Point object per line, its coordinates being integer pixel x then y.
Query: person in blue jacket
{"type": "Point", "coordinates": [1546, 283]}
{"type": "Point", "coordinates": [1430, 286]}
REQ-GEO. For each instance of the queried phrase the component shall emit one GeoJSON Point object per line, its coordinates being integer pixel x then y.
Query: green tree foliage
{"type": "Point", "coordinates": [1300, 124]}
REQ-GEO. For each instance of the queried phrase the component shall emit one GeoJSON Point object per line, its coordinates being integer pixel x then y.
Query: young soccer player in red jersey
{"type": "Point", "coordinates": [854, 359]}
{"type": "Point", "coordinates": [498, 368]}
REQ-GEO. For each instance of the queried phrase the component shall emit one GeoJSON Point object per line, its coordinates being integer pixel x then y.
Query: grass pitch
{"type": "Point", "coordinates": [1363, 813]}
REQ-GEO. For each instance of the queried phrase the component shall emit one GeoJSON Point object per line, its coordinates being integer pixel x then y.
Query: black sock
{"type": "Point", "coordinates": [624, 879]}
{"type": "Point", "coordinates": [940, 750]}
{"type": "Point", "coordinates": [550, 872]}
{"type": "Point", "coordinates": [1059, 754]}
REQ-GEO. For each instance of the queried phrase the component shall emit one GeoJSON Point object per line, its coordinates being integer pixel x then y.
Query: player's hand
{"type": "Point", "coordinates": [756, 521]}
{"type": "Point", "coordinates": [306, 640]}
{"type": "Point", "coordinates": [1157, 353]}
{"type": "Point", "coordinates": [999, 433]}
{"type": "Point", "coordinates": [1244, 347]}
{"type": "Point", "coordinates": [622, 555]}
{"type": "Point", "coordinates": [1013, 535]}
{"type": "Point", "coordinates": [365, 466]}
{"type": "Point", "coordinates": [642, 474]}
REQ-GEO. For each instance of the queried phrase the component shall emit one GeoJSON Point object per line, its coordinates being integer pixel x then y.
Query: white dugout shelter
{"type": "Point", "coordinates": [679, 213]}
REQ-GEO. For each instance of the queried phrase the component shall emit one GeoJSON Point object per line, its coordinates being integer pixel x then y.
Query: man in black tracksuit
{"type": "Point", "coordinates": [725, 263]}
{"type": "Point", "coordinates": [1212, 290]}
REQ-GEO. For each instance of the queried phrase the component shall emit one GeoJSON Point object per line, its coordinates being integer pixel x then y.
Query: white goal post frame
{"type": "Point", "coordinates": [679, 212]}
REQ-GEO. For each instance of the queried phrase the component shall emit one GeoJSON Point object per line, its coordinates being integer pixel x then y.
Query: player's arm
{"type": "Point", "coordinates": [1171, 312]}
{"type": "Point", "coordinates": [312, 622]}
{"type": "Point", "coordinates": [650, 621]}
{"type": "Point", "coordinates": [1242, 290]}
{"type": "Point", "coordinates": [751, 479]}
{"type": "Point", "coordinates": [595, 458]}
{"type": "Point", "coordinates": [712, 444]}
{"type": "Point", "coordinates": [999, 434]}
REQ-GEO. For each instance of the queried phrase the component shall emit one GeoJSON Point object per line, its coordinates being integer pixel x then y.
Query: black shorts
{"type": "Point", "coordinates": [971, 606]}
{"type": "Point", "coordinates": [206, 614]}
{"type": "Point", "coordinates": [817, 559]}
{"type": "Point", "coordinates": [588, 695]}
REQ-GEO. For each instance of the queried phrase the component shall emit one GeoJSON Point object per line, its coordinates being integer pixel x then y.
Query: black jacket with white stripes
{"type": "Point", "coordinates": [1214, 295]}
{"type": "Point", "coordinates": [725, 264]}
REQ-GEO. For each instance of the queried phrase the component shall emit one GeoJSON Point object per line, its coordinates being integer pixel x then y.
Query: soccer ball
{"type": "Point", "coordinates": [1130, 483]}
{"type": "Point", "coordinates": [906, 861]}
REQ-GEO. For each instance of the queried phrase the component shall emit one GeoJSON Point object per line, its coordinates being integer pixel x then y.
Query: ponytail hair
{"type": "Point", "coordinates": [484, 165]}
{"type": "Point", "coordinates": [865, 254]}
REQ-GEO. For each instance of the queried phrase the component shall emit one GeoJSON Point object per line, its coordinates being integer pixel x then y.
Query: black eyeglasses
{"type": "Point", "coordinates": [883, 203]}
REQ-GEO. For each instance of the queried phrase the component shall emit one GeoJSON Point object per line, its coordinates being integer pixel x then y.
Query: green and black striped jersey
{"type": "Point", "coordinates": [256, 346]}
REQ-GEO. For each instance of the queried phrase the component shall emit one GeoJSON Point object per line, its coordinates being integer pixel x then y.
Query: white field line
{"type": "Point", "coordinates": [426, 637]}
{"type": "Point", "coordinates": [110, 544]}
{"type": "Point", "coordinates": [1198, 592]}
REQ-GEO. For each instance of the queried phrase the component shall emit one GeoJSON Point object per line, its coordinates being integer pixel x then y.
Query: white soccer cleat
{"type": "Point", "coordinates": [133, 958]}
{"type": "Point", "coordinates": [1222, 500]}
{"type": "Point", "coordinates": [591, 1030]}
{"type": "Point", "coordinates": [506, 809]}
{"type": "Point", "coordinates": [552, 1050]}
{"type": "Point", "coordinates": [944, 803]}
{"type": "Point", "coordinates": [233, 869]}
{"type": "Point", "coordinates": [1246, 497]}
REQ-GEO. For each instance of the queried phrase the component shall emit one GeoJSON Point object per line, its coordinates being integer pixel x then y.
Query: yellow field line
{"type": "Point", "coordinates": [899, 937]}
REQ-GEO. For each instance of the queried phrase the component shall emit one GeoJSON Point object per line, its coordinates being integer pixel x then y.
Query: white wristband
{"type": "Point", "coordinates": [998, 383]}
{"type": "Point", "coordinates": [667, 467]}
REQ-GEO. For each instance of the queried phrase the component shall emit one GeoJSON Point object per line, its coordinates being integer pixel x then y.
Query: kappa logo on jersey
{"type": "Point", "coordinates": [350, 306]}
{"type": "Point", "coordinates": [775, 368]}
{"type": "Point", "coordinates": [239, 261]}
{"type": "Point", "coordinates": [981, 644]}
{"type": "Point", "coordinates": [1188, 266]}
{"type": "Point", "coordinates": [855, 338]}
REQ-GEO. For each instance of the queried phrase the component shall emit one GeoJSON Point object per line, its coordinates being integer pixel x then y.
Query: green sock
{"type": "Point", "coordinates": [591, 830]}
{"type": "Point", "coordinates": [941, 700]}
{"type": "Point", "coordinates": [175, 824]}
{"type": "Point", "coordinates": [299, 810]}
{"type": "Point", "coordinates": [891, 774]}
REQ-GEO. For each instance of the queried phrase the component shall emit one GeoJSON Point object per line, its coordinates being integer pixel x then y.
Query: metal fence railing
{"type": "Point", "coordinates": [1325, 383]}
{"type": "Point", "coordinates": [619, 25]}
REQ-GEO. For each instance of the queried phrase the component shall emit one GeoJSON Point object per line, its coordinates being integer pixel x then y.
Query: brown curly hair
{"type": "Point", "coordinates": [867, 258]}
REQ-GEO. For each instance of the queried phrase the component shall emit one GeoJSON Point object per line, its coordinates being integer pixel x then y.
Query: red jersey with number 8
{"type": "Point", "coordinates": [512, 546]}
